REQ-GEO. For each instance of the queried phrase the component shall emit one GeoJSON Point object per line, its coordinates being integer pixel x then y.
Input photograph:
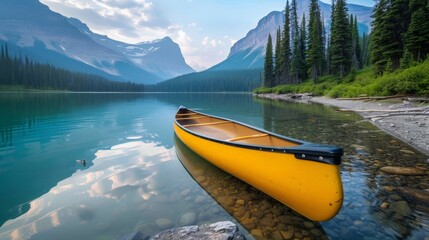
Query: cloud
{"type": "Point", "coordinates": [119, 19]}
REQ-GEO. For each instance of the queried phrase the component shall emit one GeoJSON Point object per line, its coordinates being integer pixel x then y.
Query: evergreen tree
{"type": "Point", "coordinates": [277, 57]}
{"type": "Point", "coordinates": [329, 49]}
{"type": "Point", "coordinates": [365, 50]}
{"type": "Point", "coordinates": [355, 48]}
{"type": "Point", "coordinates": [295, 58]}
{"type": "Point", "coordinates": [268, 65]}
{"type": "Point", "coordinates": [398, 19]}
{"type": "Point", "coordinates": [340, 40]}
{"type": "Point", "coordinates": [406, 60]}
{"type": "Point", "coordinates": [315, 42]}
{"type": "Point", "coordinates": [417, 35]}
{"type": "Point", "coordinates": [302, 46]}
{"type": "Point", "coordinates": [293, 21]}
{"type": "Point", "coordinates": [286, 51]}
{"type": "Point", "coordinates": [379, 36]}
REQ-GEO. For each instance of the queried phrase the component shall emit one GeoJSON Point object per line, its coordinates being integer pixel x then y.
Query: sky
{"type": "Point", "coordinates": [204, 29]}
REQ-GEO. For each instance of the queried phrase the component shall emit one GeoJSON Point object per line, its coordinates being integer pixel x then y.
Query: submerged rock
{"type": "Point", "coordinates": [415, 194]}
{"type": "Point", "coordinates": [402, 208]}
{"type": "Point", "coordinates": [221, 231]}
{"type": "Point", "coordinates": [408, 171]}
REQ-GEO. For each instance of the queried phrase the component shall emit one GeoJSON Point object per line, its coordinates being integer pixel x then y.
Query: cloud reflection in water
{"type": "Point", "coordinates": [121, 178]}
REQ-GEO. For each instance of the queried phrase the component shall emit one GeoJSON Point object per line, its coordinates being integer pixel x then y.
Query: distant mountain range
{"type": "Point", "coordinates": [249, 52]}
{"type": "Point", "coordinates": [32, 29]}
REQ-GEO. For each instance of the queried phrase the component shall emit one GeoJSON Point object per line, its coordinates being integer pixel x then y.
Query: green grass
{"type": "Point", "coordinates": [413, 80]}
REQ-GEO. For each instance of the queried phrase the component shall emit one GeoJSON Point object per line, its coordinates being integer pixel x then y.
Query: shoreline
{"type": "Point", "coordinates": [411, 129]}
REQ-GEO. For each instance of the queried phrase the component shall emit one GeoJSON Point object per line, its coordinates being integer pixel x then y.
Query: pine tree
{"type": "Point", "coordinates": [355, 48]}
{"type": "Point", "coordinates": [268, 65]}
{"type": "Point", "coordinates": [277, 57]}
{"type": "Point", "coordinates": [406, 60]}
{"type": "Point", "coordinates": [315, 42]}
{"type": "Point", "coordinates": [302, 46]}
{"type": "Point", "coordinates": [417, 35]}
{"type": "Point", "coordinates": [293, 21]}
{"type": "Point", "coordinates": [340, 38]}
{"type": "Point", "coordinates": [379, 37]}
{"type": "Point", "coordinates": [365, 50]}
{"type": "Point", "coordinates": [286, 59]}
{"type": "Point", "coordinates": [398, 19]}
{"type": "Point", "coordinates": [329, 51]}
{"type": "Point", "coordinates": [295, 58]}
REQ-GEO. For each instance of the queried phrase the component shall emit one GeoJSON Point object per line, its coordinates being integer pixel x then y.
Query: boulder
{"type": "Point", "coordinates": [220, 231]}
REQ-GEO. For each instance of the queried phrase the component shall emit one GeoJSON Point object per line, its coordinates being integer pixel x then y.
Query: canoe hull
{"type": "Point", "coordinates": [311, 188]}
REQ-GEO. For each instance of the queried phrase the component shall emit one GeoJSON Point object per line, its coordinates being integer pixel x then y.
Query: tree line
{"type": "Point", "coordinates": [29, 74]}
{"type": "Point", "coordinates": [400, 35]}
{"type": "Point", "coordinates": [212, 81]}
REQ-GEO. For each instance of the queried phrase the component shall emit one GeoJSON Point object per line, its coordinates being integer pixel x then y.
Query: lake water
{"type": "Point", "coordinates": [133, 180]}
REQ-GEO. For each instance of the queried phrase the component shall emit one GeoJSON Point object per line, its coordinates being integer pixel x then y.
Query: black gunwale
{"type": "Point", "coordinates": [304, 151]}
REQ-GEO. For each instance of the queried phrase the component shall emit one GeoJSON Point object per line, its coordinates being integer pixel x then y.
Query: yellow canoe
{"type": "Point", "coordinates": [304, 176]}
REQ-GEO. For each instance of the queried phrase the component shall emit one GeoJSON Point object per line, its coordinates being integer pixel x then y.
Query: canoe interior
{"type": "Point", "coordinates": [224, 130]}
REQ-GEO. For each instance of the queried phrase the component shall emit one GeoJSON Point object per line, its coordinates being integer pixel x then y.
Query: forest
{"type": "Point", "coordinates": [21, 71]}
{"type": "Point", "coordinates": [399, 40]}
{"type": "Point", "coordinates": [212, 81]}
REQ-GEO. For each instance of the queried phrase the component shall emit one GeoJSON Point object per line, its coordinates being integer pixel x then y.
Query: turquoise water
{"type": "Point", "coordinates": [134, 181]}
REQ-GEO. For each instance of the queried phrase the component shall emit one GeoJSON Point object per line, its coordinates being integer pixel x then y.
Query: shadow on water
{"type": "Point", "coordinates": [260, 214]}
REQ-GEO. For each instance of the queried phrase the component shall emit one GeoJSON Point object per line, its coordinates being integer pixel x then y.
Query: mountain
{"type": "Point", "coordinates": [162, 58]}
{"type": "Point", "coordinates": [32, 29]}
{"type": "Point", "coordinates": [249, 52]}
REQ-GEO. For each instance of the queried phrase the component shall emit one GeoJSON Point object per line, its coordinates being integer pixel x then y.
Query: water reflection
{"type": "Point", "coordinates": [42, 136]}
{"type": "Point", "coordinates": [257, 212]}
{"type": "Point", "coordinates": [121, 177]}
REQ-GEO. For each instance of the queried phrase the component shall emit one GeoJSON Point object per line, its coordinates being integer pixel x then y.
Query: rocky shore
{"type": "Point", "coordinates": [396, 117]}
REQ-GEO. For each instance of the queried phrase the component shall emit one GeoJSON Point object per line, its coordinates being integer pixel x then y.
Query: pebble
{"type": "Point", "coordinates": [384, 205]}
{"type": "Point", "coordinates": [308, 225]}
{"type": "Point", "coordinates": [277, 235]}
{"type": "Point", "coordinates": [257, 233]}
{"type": "Point", "coordinates": [407, 152]}
{"type": "Point", "coordinates": [240, 202]}
{"type": "Point", "coordinates": [288, 234]}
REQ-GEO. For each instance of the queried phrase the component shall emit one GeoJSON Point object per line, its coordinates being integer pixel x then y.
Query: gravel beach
{"type": "Point", "coordinates": [388, 115]}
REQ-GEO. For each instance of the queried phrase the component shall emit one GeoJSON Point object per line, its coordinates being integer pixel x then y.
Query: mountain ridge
{"type": "Point", "coordinates": [32, 29]}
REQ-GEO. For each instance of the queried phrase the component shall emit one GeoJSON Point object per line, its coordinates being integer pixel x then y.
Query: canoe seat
{"type": "Point", "coordinates": [189, 118]}
{"type": "Point", "coordinates": [246, 137]}
{"type": "Point", "coordinates": [204, 124]}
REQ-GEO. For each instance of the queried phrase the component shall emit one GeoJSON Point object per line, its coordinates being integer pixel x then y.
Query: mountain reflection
{"type": "Point", "coordinates": [121, 178]}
